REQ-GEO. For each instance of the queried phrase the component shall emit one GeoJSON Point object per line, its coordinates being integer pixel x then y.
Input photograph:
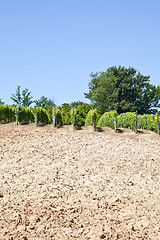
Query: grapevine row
{"type": "Point", "coordinates": [83, 117]}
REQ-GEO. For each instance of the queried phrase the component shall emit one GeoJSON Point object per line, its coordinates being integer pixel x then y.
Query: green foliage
{"type": "Point", "coordinates": [26, 98]}
{"type": "Point", "coordinates": [43, 101]}
{"type": "Point", "coordinates": [58, 117]}
{"type": "Point", "coordinates": [7, 113]}
{"type": "Point", "coordinates": [89, 117]}
{"type": "Point", "coordinates": [81, 112]}
{"type": "Point", "coordinates": [49, 110]}
{"type": "Point", "coordinates": [83, 115]}
{"type": "Point", "coordinates": [126, 120]}
{"type": "Point", "coordinates": [17, 96]}
{"type": "Point", "coordinates": [42, 115]}
{"type": "Point", "coordinates": [148, 122]}
{"type": "Point", "coordinates": [22, 98]}
{"type": "Point", "coordinates": [47, 104]}
{"type": "Point", "coordinates": [66, 113]}
{"type": "Point", "coordinates": [123, 89]}
{"type": "Point", "coordinates": [26, 114]}
{"type": "Point", "coordinates": [75, 104]}
{"type": "Point", "coordinates": [107, 119]}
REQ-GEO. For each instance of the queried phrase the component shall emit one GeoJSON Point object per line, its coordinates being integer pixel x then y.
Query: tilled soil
{"type": "Point", "coordinates": [78, 184]}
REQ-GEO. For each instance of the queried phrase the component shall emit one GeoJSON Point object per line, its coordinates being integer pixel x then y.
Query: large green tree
{"type": "Point", "coordinates": [22, 97]}
{"type": "Point", "coordinates": [123, 89]}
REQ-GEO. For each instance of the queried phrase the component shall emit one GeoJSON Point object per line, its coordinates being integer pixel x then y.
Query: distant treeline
{"type": "Point", "coordinates": [118, 88]}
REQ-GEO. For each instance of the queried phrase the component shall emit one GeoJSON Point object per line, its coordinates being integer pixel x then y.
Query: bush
{"type": "Point", "coordinates": [49, 110]}
{"type": "Point", "coordinates": [148, 122]}
{"type": "Point", "coordinates": [66, 114]}
{"type": "Point", "coordinates": [126, 120]}
{"type": "Point", "coordinates": [81, 112]}
{"type": "Point", "coordinates": [58, 117]}
{"type": "Point", "coordinates": [107, 119]}
{"type": "Point", "coordinates": [89, 117]}
{"type": "Point", "coordinates": [7, 113]}
{"type": "Point", "coordinates": [42, 115]}
{"type": "Point", "coordinates": [25, 114]}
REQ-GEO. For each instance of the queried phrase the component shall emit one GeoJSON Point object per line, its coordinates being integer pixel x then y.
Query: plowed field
{"type": "Point", "coordinates": [78, 184]}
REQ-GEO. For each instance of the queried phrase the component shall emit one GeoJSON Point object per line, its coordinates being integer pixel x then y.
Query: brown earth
{"type": "Point", "coordinates": [78, 184]}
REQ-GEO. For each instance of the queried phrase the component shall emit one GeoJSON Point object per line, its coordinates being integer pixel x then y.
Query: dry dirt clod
{"type": "Point", "coordinates": [1, 194]}
{"type": "Point", "coordinates": [103, 236]}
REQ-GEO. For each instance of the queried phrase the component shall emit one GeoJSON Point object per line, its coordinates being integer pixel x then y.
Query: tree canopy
{"type": "Point", "coordinates": [22, 98]}
{"type": "Point", "coordinates": [123, 89]}
{"type": "Point", "coordinates": [76, 103]}
{"type": "Point", "coordinates": [43, 101]}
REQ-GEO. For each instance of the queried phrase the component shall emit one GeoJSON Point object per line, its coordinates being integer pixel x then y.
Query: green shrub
{"type": "Point", "coordinates": [148, 122]}
{"type": "Point", "coordinates": [42, 115]}
{"type": "Point", "coordinates": [49, 110]}
{"type": "Point", "coordinates": [58, 117]}
{"type": "Point", "coordinates": [66, 114]}
{"type": "Point", "coordinates": [107, 119]}
{"type": "Point", "coordinates": [126, 120]}
{"type": "Point", "coordinates": [25, 114]}
{"type": "Point", "coordinates": [89, 117]}
{"type": "Point", "coordinates": [81, 112]}
{"type": "Point", "coordinates": [7, 113]}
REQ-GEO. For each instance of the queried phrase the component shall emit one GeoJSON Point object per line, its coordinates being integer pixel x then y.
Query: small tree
{"type": "Point", "coordinates": [26, 98]}
{"type": "Point", "coordinates": [43, 101]}
{"type": "Point", "coordinates": [23, 98]}
{"type": "Point", "coordinates": [17, 96]}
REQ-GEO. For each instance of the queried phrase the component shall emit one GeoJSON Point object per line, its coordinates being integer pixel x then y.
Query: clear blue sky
{"type": "Point", "coordinates": [52, 46]}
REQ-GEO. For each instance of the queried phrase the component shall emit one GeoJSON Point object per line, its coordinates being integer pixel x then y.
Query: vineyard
{"type": "Point", "coordinates": [81, 116]}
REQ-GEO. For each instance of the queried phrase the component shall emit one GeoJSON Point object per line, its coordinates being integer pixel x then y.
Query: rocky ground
{"type": "Point", "coordinates": [78, 184]}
